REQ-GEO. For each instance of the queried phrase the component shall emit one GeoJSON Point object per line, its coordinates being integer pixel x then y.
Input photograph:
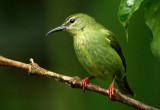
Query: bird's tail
{"type": "Point", "coordinates": [124, 87]}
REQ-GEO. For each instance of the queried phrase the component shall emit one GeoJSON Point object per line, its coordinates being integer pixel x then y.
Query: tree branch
{"type": "Point", "coordinates": [74, 82]}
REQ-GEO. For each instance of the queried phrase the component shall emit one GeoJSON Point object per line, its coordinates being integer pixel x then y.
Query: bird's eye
{"type": "Point", "coordinates": [72, 20]}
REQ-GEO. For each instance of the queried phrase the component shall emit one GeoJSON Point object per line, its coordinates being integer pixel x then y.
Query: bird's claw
{"type": "Point", "coordinates": [84, 83]}
{"type": "Point", "coordinates": [111, 90]}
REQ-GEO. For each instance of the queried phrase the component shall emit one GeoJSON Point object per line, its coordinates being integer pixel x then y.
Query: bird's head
{"type": "Point", "coordinates": [75, 24]}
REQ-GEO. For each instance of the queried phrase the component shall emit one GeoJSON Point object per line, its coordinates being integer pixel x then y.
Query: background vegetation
{"type": "Point", "coordinates": [23, 25]}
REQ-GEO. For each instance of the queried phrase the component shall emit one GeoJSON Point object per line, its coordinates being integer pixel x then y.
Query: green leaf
{"type": "Point", "coordinates": [126, 9]}
{"type": "Point", "coordinates": [152, 17]}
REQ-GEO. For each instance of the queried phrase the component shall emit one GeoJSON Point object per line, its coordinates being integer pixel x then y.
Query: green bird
{"type": "Point", "coordinates": [97, 50]}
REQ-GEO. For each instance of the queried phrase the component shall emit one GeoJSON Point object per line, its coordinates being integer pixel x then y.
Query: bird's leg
{"type": "Point", "coordinates": [111, 89]}
{"type": "Point", "coordinates": [85, 81]}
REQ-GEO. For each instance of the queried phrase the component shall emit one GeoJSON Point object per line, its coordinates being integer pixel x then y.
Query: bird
{"type": "Point", "coordinates": [97, 50]}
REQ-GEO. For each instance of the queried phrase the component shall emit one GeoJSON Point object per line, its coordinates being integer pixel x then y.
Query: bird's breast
{"type": "Point", "coordinates": [97, 57]}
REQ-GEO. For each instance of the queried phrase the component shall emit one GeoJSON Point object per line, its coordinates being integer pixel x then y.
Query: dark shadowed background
{"type": "Point", "coordinates": [23, 25]}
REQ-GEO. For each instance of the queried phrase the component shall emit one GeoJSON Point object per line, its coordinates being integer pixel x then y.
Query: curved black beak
{"type": "Point", "coordinates": [60, 28]}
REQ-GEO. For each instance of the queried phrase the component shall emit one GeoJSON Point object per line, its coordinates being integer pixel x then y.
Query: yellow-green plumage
{"type": "Point", "coordinates": [97, 50]}
{"type": "Point", "coordinates": [96, 55]}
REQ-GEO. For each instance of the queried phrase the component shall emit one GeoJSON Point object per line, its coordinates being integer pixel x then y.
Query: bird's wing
{"type": "Point", "coordinates": [115, 45]}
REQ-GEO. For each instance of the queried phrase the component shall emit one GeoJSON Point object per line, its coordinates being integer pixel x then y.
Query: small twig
{"type": "Point", "coordinates": [74, 82]}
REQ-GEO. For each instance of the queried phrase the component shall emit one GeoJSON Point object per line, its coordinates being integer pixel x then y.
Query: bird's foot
{"type": "Point", "coordinates": [111, 89]}
{"type": "Point", "coordinates": [85, 81]}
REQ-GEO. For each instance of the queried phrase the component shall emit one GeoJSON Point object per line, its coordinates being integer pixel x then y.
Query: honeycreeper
{"type": "Point", "coordinates": [97, 50]}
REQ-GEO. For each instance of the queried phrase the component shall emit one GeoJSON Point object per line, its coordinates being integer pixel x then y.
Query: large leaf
{"type": "Point", "coordinates": [152, 17]}
{"type": "Point", "coordinates": [126, 9]}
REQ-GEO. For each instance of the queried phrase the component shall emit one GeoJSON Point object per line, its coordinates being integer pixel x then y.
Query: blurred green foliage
{"type": "Point", "coordinates": [126, 9]}
{"type": "Point", "coordinates": [152, 17]}
{"type": "Point", "coordinates": [22, 36]}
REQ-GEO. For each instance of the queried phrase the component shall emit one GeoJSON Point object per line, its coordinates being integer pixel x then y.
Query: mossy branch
{"type": "Point", "coordinates": [74, 82]}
